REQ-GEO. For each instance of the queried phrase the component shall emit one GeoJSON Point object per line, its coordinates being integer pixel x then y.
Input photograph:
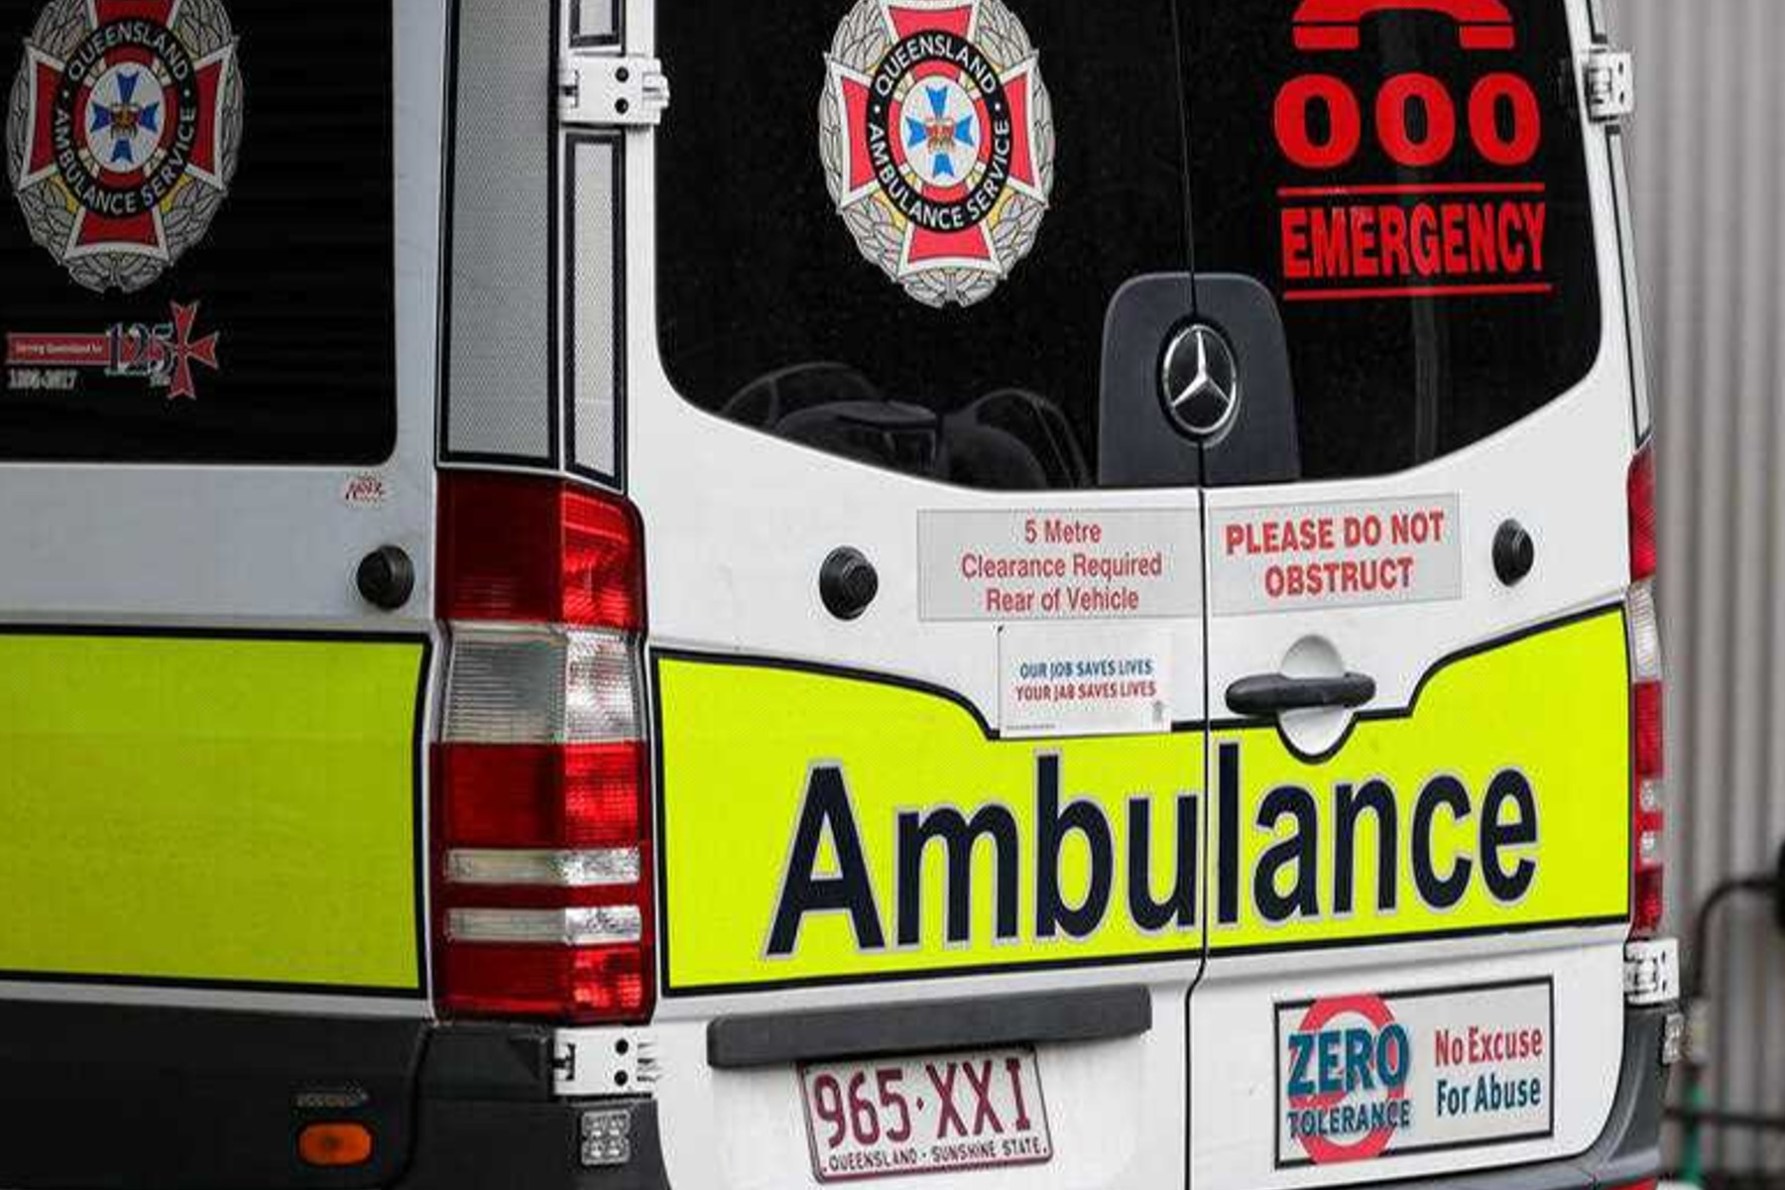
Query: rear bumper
{"type": "Point", "coordinates": [105, 1097]}
{"type": "Point", "coordinates": [1629, 1148]}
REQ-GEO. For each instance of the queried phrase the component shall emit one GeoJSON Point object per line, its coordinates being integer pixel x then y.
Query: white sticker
{"type": "Point", "coordinates": [1127, 565]}
{"type": "Point", "coordinates": [1300, 556]}
{"type": "Point", "coordinates": [1085, 679]}
{"type": "Point", "coordinates": [1367, 1076]}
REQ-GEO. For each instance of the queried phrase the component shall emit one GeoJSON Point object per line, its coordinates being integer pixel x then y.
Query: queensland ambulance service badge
{"type": "Point", "coordinates": [122, 132]}
{"type": "Point", "coordinates": [937, 142]}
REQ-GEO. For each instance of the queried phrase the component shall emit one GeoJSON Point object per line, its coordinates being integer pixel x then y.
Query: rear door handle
{"type": "Point", "coordinates": [1271, 694]}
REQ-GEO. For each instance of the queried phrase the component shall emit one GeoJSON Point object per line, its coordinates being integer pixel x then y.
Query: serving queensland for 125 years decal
{"type": "Point", "coordinates": [937, 142]}
{"type": "Point", "coordinates": [122, 132]}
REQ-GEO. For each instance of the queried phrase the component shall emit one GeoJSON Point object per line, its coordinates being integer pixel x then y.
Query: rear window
{"type": "Point", "coordinates": [893, 231]}
{"type": "Point", "coordinates": [196, 236]}
{"type": "Point", "coordinates": [1412, 185]}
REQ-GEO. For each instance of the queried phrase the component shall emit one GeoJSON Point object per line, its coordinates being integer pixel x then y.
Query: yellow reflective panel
{"type": "Point", "coordinates": [179, 809]}
{"type": "Point", "coordinates": [821, 827]}
{"type": "Point", "coordinates": [1505, 795]}
{"type": "Point", "coordinates": [810, 823]}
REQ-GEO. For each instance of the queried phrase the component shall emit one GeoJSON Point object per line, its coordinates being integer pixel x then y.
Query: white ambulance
{"type": "Point", "coordinates": [1004, 594]}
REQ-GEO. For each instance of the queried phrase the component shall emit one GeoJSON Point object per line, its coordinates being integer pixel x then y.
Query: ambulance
{"type": "Point", "coordinates": [1000, 594]}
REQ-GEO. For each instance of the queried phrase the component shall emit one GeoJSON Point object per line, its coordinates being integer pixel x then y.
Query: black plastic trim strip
{"type": "Point", "coordinates": [783, 1039]}
{"type": "Point", "coordinates": [483, 1115]}
{"type": "Point", "coordinates": [204, 1099]}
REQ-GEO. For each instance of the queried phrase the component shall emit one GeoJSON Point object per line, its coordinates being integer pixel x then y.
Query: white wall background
{"type": "Point", "coordinates": [1708, 157]}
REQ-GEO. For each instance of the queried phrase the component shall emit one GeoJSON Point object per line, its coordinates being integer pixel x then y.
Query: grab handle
{"type": "Point", "coordinates": [1272, 694]}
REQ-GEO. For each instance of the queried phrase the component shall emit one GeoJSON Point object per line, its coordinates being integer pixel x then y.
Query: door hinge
{"type": "Point", "coordinates": [1651, 972]}
{"type": "Point", "coordinates": [1609, 80]}
{"type": "Point", "coordinates": [595, 1062]}
{"type": "Point", "coordinates": [611, 91]}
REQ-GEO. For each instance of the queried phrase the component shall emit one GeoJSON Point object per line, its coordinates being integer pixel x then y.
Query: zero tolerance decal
{"type": "Point", "coordinates": [938, 142]}
{"type": "Point", "coordinates": [123, 128]}
{"type": "Point", "coordinates": [1366, 1076]}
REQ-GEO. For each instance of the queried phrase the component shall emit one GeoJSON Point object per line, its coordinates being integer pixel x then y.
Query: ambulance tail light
{"type": "Point", "coordinates": [1647, 808]}
{"type": "Point", "coordinates": [542, 826]}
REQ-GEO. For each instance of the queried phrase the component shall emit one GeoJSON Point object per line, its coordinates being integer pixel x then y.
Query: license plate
{"type": "Point", "coordinates": [902, 1116]}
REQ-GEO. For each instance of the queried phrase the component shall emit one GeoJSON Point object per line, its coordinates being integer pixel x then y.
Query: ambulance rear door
{"type": "Point", "coordinates": [928, 693]}
{"type": "Point", "coordinates": [216, 407]}
{"type": "Point", "coordinates": [1420, 754]}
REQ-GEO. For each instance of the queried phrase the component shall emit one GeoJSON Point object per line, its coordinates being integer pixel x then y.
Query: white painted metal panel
{"type": "Point", "coordinates": [1707, 151]}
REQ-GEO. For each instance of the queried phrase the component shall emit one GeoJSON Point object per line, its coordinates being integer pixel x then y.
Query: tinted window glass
{"type": "Point", "coordinates": [196, 238]}
{"type": "Point", "coordinates": [1412, 186]}
{"type": "Point", "coordinates": [904, 252]}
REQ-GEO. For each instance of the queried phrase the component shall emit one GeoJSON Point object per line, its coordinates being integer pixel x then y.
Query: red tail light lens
{"type": "Point", "coordinates": [542, 864]}
{"type": "Point", "coordinates": [1648, 761]}
{"type": "Point", "coordinates": [1648, 815]}
{"type": "Point", "coordinates": [524, 550]}
{"type": "Point", "coordinates": [570, 983]}
{"type": "Point", "coordinates": [1643, 554]}
{"type": "Point", "coordinates": [1650, 903]}
{"type": "Point", "coordinates": [539, 795]}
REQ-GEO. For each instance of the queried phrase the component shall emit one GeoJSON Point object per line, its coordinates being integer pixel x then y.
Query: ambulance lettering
{"type": "Point", "coordinates": [826, 814]}
{"type": "Point", "coordinates": [1081, 865]}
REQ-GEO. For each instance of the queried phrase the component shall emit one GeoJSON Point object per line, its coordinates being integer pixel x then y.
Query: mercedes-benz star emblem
{"type": "Point", "coordinates": [1199, 381]}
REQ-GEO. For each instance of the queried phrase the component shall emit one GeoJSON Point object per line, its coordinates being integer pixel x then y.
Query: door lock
{"type": "Point", "coordinates": [1515, 553]}
{"type": "Point", "coordinates": [386, 578]}
{"type": "Point", "coordinates": [847, 583]}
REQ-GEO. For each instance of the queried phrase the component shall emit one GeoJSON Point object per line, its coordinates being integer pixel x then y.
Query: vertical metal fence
{"type": "Point", "coordinates": [1708, 168]}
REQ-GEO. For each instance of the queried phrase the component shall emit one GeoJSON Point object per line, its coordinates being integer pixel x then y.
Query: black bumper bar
{"type": "Point", "coordinates": [108, 1098]}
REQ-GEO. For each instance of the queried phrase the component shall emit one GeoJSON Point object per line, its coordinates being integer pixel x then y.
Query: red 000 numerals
{"type": "Point", "coordinates": [1505, 122]}
{"type": "Point", "coordinates": [852, 1114]}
